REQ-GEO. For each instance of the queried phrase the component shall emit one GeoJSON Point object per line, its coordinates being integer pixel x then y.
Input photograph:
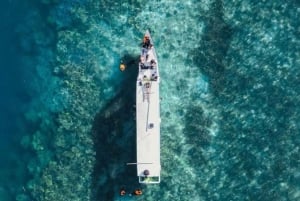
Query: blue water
{"type": "Point", "coordinates": [14, 98]}
{"type": "Point", "coordinates": [230, 95]}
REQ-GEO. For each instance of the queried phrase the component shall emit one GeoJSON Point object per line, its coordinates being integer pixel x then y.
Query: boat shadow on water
{"type": "Point", "coordinates": [114, 138]}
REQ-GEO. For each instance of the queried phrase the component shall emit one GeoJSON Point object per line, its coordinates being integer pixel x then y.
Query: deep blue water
{"type": "Point", "coordinates": [11, 73]}
{"type": "Point", "coordinates": [230, 99]}
{"type": "Point", "coordinates": [13, 100]}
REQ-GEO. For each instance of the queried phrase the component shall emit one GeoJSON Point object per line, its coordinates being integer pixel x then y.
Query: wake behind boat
{"type": "Point", "coordinates": [148, 114]}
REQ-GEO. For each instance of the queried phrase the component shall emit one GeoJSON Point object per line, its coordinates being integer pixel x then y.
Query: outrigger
{"type": "Point", "coordinates": [148, 115]}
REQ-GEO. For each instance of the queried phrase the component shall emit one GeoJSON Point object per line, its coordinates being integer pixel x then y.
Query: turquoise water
{"type": "Point", "coordinates": [229, 88]}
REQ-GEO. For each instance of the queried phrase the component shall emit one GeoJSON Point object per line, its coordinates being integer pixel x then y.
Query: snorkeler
{"type": "Point", "coordinates": [122, 191]}
{"type": "Point", "coordinates": [137, 192]}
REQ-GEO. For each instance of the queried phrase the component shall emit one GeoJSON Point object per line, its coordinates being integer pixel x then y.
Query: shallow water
{"type": "Point", "coordinates": [229, 109]}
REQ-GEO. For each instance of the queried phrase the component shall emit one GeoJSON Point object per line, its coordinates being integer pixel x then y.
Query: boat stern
{"type": "Point", "coordinates": [149, 180]}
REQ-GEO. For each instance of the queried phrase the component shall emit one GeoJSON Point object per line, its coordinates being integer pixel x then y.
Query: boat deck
{"type": "Point", "coordinates": [148, 119]}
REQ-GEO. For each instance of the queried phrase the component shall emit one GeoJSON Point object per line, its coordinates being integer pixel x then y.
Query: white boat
{"type": "Point", "coordinates": [148, 115]}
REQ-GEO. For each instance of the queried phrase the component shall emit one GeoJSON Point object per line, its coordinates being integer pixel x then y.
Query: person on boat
{"type": "Point", "coordinates": [145, 78]}
{"type": "Point", "coordinates": [122, 191]}
{"type": "Point", "coordinates": [143, 66]}
{"type": "Point", "coordinates": [142, 59]}
{"type": "Point", "coordinates": [153, 77]}
{"type": "Point", "coordinates": [146, 42]}
{"type": "Point", "coordinates": [152, 64]}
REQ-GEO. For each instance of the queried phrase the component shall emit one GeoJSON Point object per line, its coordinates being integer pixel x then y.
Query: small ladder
{"type": "Point", "coordinates": [146, 91]}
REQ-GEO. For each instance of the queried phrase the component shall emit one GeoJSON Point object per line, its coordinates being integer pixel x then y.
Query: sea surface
{"type": "Point", "coordinates": [230, 96]}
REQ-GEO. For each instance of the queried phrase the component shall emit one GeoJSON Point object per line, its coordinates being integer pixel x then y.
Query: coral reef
{"type": "Point", "coordinates": [62, 142]}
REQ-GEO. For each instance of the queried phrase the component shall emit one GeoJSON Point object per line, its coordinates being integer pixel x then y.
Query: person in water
{"type": "Point", "coordinates": [137, 192]}
{"type": "Point", "coordinates": [122, 191]}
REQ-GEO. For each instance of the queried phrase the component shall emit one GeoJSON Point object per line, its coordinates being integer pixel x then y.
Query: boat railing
{"type": "Point", "coordinates": [149, 180]}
